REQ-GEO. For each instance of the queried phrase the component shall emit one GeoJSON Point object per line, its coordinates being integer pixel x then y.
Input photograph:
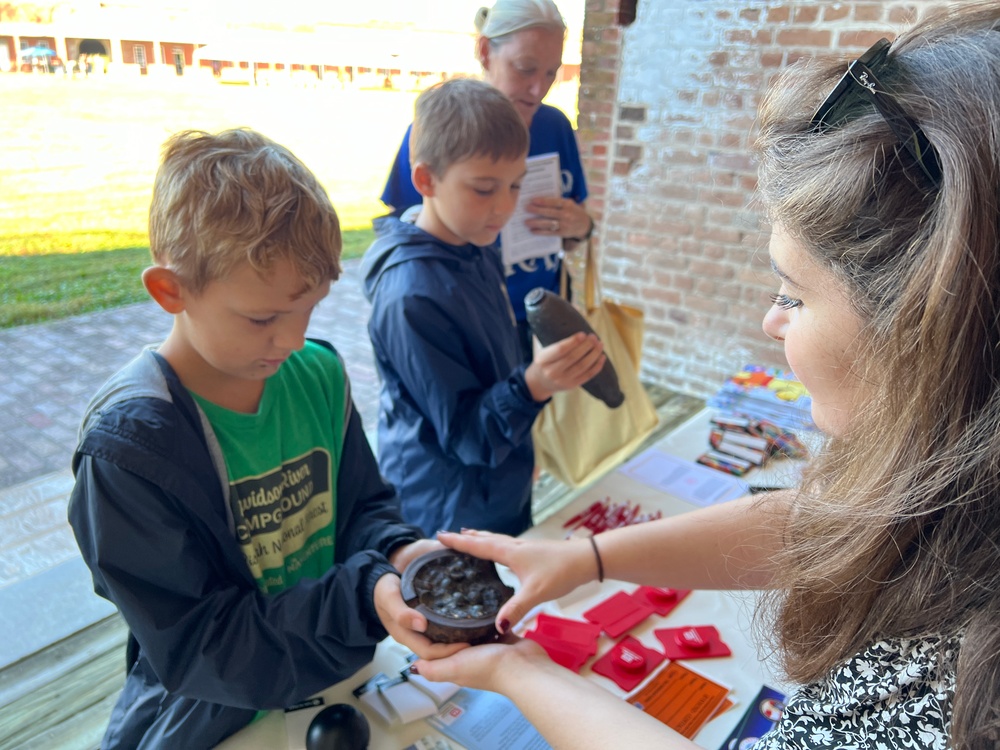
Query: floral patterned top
{"type": "Point", "coordinates": [895, 694]}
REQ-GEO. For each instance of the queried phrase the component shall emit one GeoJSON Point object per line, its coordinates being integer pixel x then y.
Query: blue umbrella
{"type": "Point", "coordinates": [37, 52]}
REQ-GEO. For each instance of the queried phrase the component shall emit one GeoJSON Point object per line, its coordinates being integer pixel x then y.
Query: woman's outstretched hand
{"type": "Point", "coordinates": [485, 667]}
{"type": "Point", "coordinates": [546, 568]}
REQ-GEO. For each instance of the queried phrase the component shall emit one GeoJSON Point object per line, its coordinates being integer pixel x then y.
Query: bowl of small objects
{"type": "Point", "coordinates": [460, 596]}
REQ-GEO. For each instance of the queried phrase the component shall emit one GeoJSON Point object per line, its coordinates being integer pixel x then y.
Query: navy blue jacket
{"type": "Point", "coordinates": [455, 414]}
{"type": "Point", "coordinates": [149, 512]}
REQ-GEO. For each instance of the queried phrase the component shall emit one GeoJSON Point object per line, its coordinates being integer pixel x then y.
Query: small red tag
{"type": "Point", "coordinates": [569, 643]}
{"type": "Point", "coordinates": [577, 634]}
{"type": "Point", "coordinates": [690, 638]}
{"type": "Point", "coordinates": [628, 663]}
{"type": "Point", "coordinates": [563, 654]}
{"type": "Point", "coordinates": [618, 614]}
{"type": "Point", "coordinates": [661, 600]}
{"type": "Point", "coordinates": [692, 642]}
{"type": "Point", "coordinates": [629, 660]}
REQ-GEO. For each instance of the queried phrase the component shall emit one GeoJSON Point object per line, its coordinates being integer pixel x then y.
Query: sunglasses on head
{"type": "Point", "coordinates": [860, 79]}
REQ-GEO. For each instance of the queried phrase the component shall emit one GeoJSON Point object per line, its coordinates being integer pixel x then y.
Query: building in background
{"type": "Point", "coordinates": [669, 92]}
{"type": "Point", "coordinates": [159, 39]}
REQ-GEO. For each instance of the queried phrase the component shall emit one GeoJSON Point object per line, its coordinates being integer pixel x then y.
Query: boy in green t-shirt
{"type": "Point", "coordinates": [226, 499]}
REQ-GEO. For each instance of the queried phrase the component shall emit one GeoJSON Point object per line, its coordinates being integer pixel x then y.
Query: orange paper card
{"type": "Point", "coordinates": [681, 698]}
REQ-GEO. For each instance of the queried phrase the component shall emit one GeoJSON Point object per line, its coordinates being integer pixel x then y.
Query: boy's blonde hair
{"type": "Point", "coordinates": [462, 118]}
{"type": "Point", "coordinates": [220, 200]}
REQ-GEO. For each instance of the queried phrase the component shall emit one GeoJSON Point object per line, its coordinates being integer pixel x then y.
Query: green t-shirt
{"type": "Point", "coordinates": [282, 464]}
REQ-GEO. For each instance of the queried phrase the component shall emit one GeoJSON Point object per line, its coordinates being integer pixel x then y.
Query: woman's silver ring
{"type": "Point", "coordinates": [555, 225]}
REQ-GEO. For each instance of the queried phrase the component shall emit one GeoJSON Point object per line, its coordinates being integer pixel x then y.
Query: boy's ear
{"type": "Point", "coordinates": [423, 179]}
{"type": "Point", "coordinates": [164, 287]}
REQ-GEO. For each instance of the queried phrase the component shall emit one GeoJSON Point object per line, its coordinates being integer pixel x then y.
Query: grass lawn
{"type": "Point", "coordinates": [79, 161]}
{"type": "Point", "coordinates": [80, 157]}
{"type": "Point", "coordinates": [47, 286]}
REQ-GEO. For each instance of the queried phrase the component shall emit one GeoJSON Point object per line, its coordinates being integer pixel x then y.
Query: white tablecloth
{"type": "Point", "coordinates": [744, 672]}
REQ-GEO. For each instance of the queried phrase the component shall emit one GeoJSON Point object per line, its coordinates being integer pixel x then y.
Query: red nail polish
{"type": "Point", "coordinates": [413, 669]}
{"type": "Point", "coordinates": [504, 626]}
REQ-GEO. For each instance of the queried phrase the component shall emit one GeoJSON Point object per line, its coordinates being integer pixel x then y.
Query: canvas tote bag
{"type": "Point", "coordinates": [577, 437]}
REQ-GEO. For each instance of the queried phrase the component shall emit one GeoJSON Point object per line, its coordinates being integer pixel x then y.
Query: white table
{"type": "Point", "coordinates": [730, 612]}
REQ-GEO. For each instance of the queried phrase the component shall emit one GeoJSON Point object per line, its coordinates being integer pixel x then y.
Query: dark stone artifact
{"type": "Point", "coordinates": [459, 595]}
{"type": "Point", "coordinates": [338, 727]}
{"type": "Point", "coordinates": [552, 319]}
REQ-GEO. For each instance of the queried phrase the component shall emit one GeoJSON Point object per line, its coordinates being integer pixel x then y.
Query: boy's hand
{"type": "Point", "coordinates": [564, 365]}
{"type": "Point", "coordinates": [407, 553]}
{"type": "Point", "coordinates": [406, 625]}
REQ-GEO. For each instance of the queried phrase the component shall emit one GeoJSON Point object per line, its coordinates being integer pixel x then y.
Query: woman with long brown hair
{"type": "Point", "coordinates": [882, 570]}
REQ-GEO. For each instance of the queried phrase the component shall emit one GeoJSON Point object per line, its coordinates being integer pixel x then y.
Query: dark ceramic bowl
{"type": "Point", "coordinates": [459, 595]}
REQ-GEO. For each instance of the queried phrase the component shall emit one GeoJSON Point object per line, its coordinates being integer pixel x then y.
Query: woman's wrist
{"type": "Point", "coordinates": [588, 564]}
{"type": "Point", "coordinates": [587, 236]}
{"type": "Point", "coordinates": [597, 559]}
{"type": "Point", "coordinates": [519, 663]}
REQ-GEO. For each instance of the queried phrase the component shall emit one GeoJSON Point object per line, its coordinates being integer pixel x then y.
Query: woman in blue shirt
{"type": "Point", "coordinates": [520, 47]}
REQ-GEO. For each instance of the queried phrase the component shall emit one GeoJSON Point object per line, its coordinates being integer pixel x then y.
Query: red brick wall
{"type": "Point", "coordinates": [667, 107]}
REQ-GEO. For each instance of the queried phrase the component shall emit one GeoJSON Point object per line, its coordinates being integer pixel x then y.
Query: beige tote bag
{"type": "Point", "coordinates": [577, 437]}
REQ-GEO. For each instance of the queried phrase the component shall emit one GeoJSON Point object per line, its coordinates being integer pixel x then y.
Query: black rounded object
{"type": "Point", "coordinates": [460, 596]}
{"type": "Point", "coordinates": [338, 727]}
{"type": "Point", "coordinates": [553, 319]}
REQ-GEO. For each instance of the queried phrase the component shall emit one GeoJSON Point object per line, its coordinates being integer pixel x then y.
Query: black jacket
{"type": "Point", "coordinates": [149, 513]}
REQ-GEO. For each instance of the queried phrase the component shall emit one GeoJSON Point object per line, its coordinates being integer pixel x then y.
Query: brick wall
{"type": "Point", "coordinates": [667, 108]}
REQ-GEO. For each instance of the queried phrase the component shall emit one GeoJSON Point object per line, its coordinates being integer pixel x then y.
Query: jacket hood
{"type": "Point", "coordinates": [397, 242]}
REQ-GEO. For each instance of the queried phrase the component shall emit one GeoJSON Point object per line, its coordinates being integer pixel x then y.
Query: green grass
{"type": "Point", "coordinates": [356, 241]}
{"type": "Point", "coordinates": [80, 157]}
{"type": "Point", "coordinates": [34, 288]}
{"type": "Point", "coordinates": [38, 285]}
{"type": "Point", "coordinates": [76, 192]}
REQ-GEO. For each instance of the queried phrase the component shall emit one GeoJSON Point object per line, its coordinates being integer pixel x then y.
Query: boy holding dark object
{"type": "Point", "coordinates": [457, 401]}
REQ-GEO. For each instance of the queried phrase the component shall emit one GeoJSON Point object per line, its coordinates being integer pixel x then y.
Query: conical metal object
{"type": "Point", "coordinates": [552, 319]}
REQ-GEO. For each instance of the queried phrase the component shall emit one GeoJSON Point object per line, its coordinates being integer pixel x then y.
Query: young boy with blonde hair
{"type": "Point", "coordinates": [457, 402]}
{"type": "Point", "coordinates": [226, 500]}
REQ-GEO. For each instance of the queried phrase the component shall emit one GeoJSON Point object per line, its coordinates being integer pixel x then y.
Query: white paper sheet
{"type": "Point", "coordinates": [517, 242]}
{"type": "Point", "coordinates": [684, 480]}
{"type": "Point", "coordinates": [487, 721]}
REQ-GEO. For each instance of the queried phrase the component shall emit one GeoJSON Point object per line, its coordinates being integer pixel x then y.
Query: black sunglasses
{"type": "Point", "coordinates": [859, 77]}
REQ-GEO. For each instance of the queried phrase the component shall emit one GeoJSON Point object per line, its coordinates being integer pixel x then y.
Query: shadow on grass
{"type": "Point", "coordinates": [42, 286]}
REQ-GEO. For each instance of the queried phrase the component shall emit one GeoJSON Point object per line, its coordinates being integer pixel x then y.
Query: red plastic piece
{"type": "Point", "coordinates": [569, 643]}
{"type": "Point", "coordinates": [690, 638]}
{"type": "Point", "coordinates": [618, 613]}
{"type": "Point", "coordinates": [628, 663]}
{"type": "Point", "coordinates": [692, 642]}
{"type": "Point", "coordinates": [660, 600]}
